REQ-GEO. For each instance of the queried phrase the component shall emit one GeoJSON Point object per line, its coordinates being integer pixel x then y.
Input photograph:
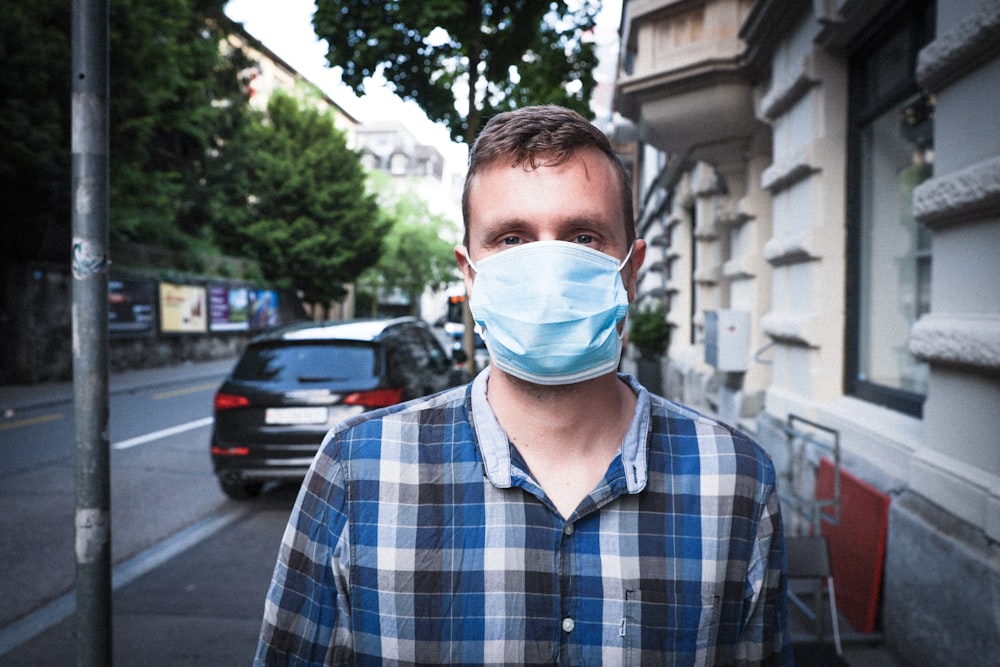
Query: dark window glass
{"type": "Point", "coordinates": [892, 152]}
{"type": "Point", "coordinates": [305, 363]}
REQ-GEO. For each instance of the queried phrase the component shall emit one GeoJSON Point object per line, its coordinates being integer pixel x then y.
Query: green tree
{"type": "Point", "coordinates": [509, 53]}
{"type": "Point", "coordinates": [309, 222]}
{"type": "Point", "coordinates": [175, 105]}
{"type": "Point", "coordinates": [35, 128]}
{"type": "Point", "coordinates": [505, 53]}
{"type": "Point", "coordinates": [416, 256]}
{"type": "Point", "coordinates": [176, 110]}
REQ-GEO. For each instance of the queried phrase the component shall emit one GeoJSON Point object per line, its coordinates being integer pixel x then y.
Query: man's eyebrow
{"type": "Point", "coordinates": [587, 221]}
{"type": "Point", "coordinates": [497, 226]}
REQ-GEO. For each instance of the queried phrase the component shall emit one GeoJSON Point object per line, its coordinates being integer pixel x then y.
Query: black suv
{"type": "Point", "coordinates": [293, 383]}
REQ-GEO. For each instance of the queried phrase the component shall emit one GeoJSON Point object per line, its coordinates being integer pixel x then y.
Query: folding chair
{"type": "Point", "coordinates": [806, 548]}
{"type": "Point", "coordinates": [809, 559]}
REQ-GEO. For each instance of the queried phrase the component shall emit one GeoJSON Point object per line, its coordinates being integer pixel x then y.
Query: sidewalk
{"type": "Point", "coordinates": [202, 607]}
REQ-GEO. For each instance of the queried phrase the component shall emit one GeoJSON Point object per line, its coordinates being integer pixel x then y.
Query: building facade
{"type": "Point", "coordinates": [830, 171]}
{"type": "Point", "coordinates": [268, 73]}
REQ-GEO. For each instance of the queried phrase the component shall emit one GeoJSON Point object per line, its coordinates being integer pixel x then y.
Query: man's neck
{"type": "Point", "coordinates": [567, 434]}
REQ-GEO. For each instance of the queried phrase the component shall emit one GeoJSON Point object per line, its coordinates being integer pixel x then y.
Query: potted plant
{"type": "Point", "coordinates": [650, 333]}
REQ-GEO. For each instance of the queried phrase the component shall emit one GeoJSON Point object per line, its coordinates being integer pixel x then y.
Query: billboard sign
{"type": "Point", "coordinates": [131, 306]}
{"type": "Point", "coordinates": [228, 308]}
{"type": "Point", "coordinates": [182, 309]}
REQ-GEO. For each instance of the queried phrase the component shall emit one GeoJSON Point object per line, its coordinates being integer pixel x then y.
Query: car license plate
{"type": "Point", "coordinates": [295, 416]}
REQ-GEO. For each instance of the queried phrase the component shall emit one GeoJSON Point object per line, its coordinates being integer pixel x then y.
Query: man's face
{"type": "Point", "coordinates": [577, 201]}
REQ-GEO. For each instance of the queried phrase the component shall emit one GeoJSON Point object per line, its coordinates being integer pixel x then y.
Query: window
{"type": "Point", "coordinates": [398, 164]}
{"type": "Point", "coordinates": [889, 253]}
{"type": "Point", "coordinates": [302, 363]}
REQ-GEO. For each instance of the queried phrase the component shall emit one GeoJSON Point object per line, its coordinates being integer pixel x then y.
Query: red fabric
{"type": "Point", "coordinates": [857, 545]}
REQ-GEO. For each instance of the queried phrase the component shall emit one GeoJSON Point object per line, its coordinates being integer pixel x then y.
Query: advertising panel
{"type": "Point", "coordinates": [263, 309]}
{"type": "Point", "coordinates": [228, 308]}
{"type": "Point", "coordinates": [131, 306]}
{"type": "Point", "coordinates": [182, 309]}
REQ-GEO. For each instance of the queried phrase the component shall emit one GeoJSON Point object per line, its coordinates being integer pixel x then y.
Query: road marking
{"type": "Point", "coordinates": [32, 421]}
{"type": "Point", "coordinates": [186, 390]}
{"type": "Point", "coordinates": [28, 627]}
{"type": "Point", "coordinates": [163, 433]}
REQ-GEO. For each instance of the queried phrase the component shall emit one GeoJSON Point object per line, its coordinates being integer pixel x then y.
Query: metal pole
{"type": "Point", "coordinates": [89, 258]}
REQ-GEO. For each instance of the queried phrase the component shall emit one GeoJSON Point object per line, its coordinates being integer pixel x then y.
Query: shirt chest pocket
{"type": "Point", "coordinates": [669, 627]}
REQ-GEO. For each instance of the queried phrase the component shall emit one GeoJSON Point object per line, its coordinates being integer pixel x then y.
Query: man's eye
{"type": "Point", "coordinates": [584, 238]}
{"type": "Point", "coordinates": [511, 240]}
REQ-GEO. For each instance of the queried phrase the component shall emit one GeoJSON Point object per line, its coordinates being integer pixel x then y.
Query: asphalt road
{"type": "Point", "coordinates": [191, 567]}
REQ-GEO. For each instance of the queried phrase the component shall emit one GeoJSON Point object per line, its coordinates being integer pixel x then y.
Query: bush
{"type": "Point", "coordinates": [649, 330]}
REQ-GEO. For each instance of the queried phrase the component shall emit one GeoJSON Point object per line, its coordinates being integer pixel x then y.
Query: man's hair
{"type": "Point", "coordinates": [543, 136]}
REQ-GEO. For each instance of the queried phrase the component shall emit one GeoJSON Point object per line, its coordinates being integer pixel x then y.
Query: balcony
{"type": "Point", "coordinates": [682, 77]}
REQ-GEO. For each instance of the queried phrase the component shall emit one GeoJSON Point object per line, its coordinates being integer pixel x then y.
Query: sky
{"type": "Point", "coordinates": [286, 28]}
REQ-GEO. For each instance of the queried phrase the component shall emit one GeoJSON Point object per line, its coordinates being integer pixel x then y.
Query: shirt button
{"type": "Point", "coordinates": [568, 529]}
{"type": "Point", "coordinates": [568, 624]}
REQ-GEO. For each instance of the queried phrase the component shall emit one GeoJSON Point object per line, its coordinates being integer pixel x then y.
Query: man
{"type": "Point", "coordinates": [552, 511]}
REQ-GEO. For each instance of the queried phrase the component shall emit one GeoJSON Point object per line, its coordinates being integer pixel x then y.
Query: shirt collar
{"type": "Point", "coordinates": [495, 447]}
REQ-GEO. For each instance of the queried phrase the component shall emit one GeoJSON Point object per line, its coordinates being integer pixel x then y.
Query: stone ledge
{"type": "Point", "coordinates": [784, 94]}
{"type": "Point", "coordinates": [789, 328]}
{"type": "Point", "coordinates": [951, 56]}
{"type": "Point", "coordinates": [962, 196]}
{"type": "Point", "coordinates": [958, 340]}
{"type": "Point", "coordinates": [790, 249]}
{"type": "Point", "coordinates": [780, 177]}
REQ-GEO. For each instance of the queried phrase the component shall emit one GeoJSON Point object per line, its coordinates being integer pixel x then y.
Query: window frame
{"type": "Point", "coordinates": [917, 22]}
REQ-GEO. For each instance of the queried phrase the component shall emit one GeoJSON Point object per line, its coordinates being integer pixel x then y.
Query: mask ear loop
{"type": "Point", "coordinates": [620, 266]}
{"type": "Point", "coordinates": [624, 320]}
{"type": "Point", "coordinates": [465, 253]}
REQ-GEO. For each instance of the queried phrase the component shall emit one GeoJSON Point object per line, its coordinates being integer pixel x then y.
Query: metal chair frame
{"type": "Point", "coordinates": [808, 554]}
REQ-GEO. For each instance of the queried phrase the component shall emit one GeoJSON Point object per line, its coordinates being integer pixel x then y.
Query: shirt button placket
{"type": "Point", "coordinates": [568, 623]}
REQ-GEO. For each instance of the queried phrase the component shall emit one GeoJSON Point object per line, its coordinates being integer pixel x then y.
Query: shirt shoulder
{"type": "Point", "coordinates": [387, 433]}
{"type": "Point", "coordinates": [680, 430]}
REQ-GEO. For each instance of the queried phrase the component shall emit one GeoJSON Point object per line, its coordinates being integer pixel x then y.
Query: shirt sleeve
{"type": "Point", "coordinates": [765, 639]}
{"type": "Point", "coordinates": [307, 615]}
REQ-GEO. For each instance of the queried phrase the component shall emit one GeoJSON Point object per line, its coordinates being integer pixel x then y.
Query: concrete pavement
{"type": "Point", "coordinates": [195, 598]}
{"type": "Point", "coordinates": [201, 606]}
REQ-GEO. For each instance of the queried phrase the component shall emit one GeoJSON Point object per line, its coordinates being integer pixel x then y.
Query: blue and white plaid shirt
{"type": "Point", "coordinates": [419, 537]}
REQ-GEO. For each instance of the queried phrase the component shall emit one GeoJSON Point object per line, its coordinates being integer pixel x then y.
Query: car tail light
{"type": "Point", "coordinates": [376, 398]}
{"type": "Point", "coordinates": [225, 401]}
{"type": "Point", "coordinates": [230, 451]}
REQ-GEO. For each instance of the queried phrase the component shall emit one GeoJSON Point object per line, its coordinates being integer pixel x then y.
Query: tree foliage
{"type": "Point", "coordinates": [309, 222]}
{"type": "Point", "coordinates": [416, 256]}
{"type": "Point", "coordinates": [175, 104]}
{"type": "Point", "coordinates": [185, 149]}
{"type": "Point", "coordinates": [510, 53]}
{"type": "Point", "coordinates": [176, 112]}
{"type": "Point", "coordinates": [35, 127]}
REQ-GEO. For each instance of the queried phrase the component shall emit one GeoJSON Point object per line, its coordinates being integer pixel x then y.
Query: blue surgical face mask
{"type": "Point", "coordinates": [549, 311]}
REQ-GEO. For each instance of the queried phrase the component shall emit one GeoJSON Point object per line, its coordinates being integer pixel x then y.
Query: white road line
{"type": "Point", "coordinates": [164, 433]}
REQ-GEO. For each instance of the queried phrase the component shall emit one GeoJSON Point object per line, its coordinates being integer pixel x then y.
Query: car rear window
{"type": "Point", "coordinates": [305, 363]}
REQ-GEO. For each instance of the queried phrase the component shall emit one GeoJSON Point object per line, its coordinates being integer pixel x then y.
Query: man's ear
{"type": "Point", "coordinates": [633, 266]}
{"type": "Point", "coordinates": [468, 273]}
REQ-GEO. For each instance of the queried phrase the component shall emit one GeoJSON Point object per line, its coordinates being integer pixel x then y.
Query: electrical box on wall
{"type": "Point", "coordinates": [727, 340]}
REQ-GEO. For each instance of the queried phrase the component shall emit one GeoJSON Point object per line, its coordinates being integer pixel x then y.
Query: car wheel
{"type": "Point", "coordinates": [240, 489]}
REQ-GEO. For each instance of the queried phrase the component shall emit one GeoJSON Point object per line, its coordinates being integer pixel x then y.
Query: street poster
{"type": "Point", "coordinates": [263, 309]}
{"type": "Point", "coordinates": [182, 309]}
{"type": "Point", "coordinates": [228, 308]}
{"type": "Point", "coordinates": [131, 306]}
